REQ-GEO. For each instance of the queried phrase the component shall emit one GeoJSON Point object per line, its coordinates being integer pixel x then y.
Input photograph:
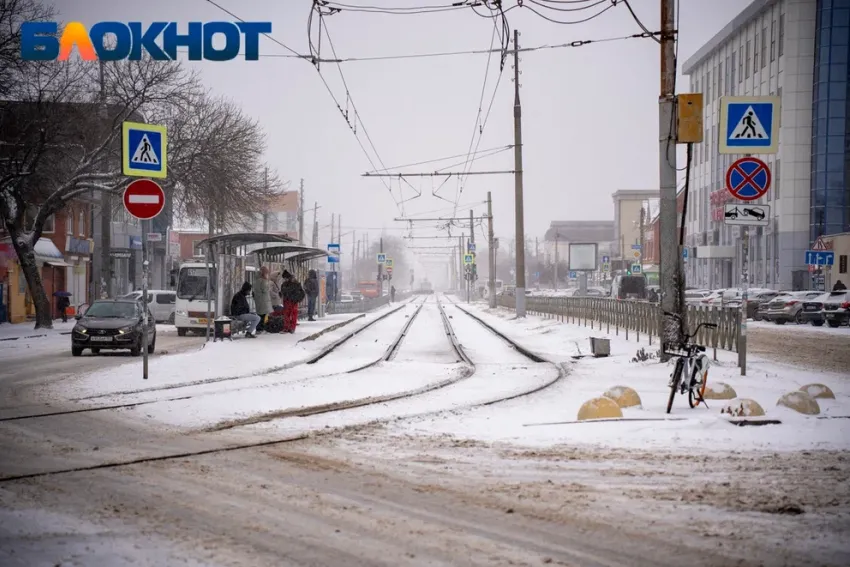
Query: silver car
{"type": "Point", "coordinates": [789, 307]}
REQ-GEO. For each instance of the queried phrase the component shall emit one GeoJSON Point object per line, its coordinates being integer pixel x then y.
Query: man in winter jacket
{"type": "Point", "coordinates": [292, 294]}
{"type": "Point", "coordinates": [239, 309]}
{"type": "Point", "coordinates": [311, 288]}
{"type": "Point", "coordinates": [262, 298]}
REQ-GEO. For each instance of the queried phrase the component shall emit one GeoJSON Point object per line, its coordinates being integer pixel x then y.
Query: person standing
{"type": "Point", "coordinates": [392, 294]}
{"type": "Point", "coordinates": [274, 292]}
{"type": "Point", "coordinates": [63, 303]}
{"type": "Point", "coordinates": [239, 309]}
{"type": "Point", "coordinates": [292, 294]}
{"type": "Point", "coordinates": [839, 286]}
{"type": "Point", "coordinates": [262, 298]}
{"type": "Point", "coordinates": [311, 288]}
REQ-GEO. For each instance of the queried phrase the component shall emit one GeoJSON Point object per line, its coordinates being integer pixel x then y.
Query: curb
{"type": "Point", "coordinates": [63, 333]}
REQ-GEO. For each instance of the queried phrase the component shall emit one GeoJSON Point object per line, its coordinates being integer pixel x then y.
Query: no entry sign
{"type": "Point", "coordinates": [144, 199]}
{"type": "Point", "coordinates": [748, 179]}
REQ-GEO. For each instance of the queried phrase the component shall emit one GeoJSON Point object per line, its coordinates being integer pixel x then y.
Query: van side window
{"type": "Point", "coordinates": [166, 298]}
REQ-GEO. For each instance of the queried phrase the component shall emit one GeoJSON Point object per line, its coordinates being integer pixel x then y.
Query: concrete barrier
{"type": "Point", "coordinates": [624, 396]}
{"type": "Point", "coordinates": [719, 391]}
{"type": "Point", "coordinates": [743, 407]}
{"type": "Point", "coordinates": [599, 408]}
{"type": "Point", "coordinates": [818, 391]}
{"type": "Point", "coordinates": [801, 402]}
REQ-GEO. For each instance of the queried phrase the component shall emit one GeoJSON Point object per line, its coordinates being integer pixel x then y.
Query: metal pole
{"type": "Point", "coordinates": [301, 213]}
{"type": "Point", "coordinates": [338, 287]}
{"type": "Point", "coordinates": [380, 269]}
{"type": "Point", "coordinates": [745, 283]}
{"type": "Point", "coordinates": [671, 280]}
{"type": "Point", "coordinates": [518, 206]}
{"type": "Point", "coordinates": [146, 228]}
{"type": "Point", "coordinates": [265, 211]}
{"type": "Point", "coordinates": [642, 235]}
{"type": "Point", "coordinates": [473, 269]}
{"type": "Point", "coordinates": [315, 225]}
{"type": "Point", "coordinates": [208, 290]}
{"type": "Point", "coordinates": [491, 277]}
{"type": "Point", "coordinates": [461, 278]}
{"type": "Point", "coordinates": [556, 261]}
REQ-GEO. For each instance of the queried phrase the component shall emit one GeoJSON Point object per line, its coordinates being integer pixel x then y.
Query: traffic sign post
{"type": "Point", "coordinates": [144, 199]}
{"type": "Point", "coordinates": [749, 125]}
{"type": "Point", "coordinates": [748, 179]}
{"type": "Point", "coordinates": [144, 150]}
{"type": "Point", "coordinates": [746, 215]}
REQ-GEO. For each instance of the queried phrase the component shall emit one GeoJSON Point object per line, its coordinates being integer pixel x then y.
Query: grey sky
{"type": "Point", "coordinates": [589, 113]}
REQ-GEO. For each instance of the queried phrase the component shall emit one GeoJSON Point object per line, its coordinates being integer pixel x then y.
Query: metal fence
{"type": "Point", "coordinates": [363, 305]}
{"type": "Point", "coordinates": [634, 317]}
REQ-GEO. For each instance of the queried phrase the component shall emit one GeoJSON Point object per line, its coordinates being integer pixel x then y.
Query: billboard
{"type": "Point", "coordinates": [583, 257]}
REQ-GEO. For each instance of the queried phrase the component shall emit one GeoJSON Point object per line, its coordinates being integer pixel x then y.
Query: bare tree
{"type": "Point", "coordinates": [12, 13]}
{"type": "Point", "coordinates": [56, 145]}
{"type": "Point", "coordinates": [215, 157]}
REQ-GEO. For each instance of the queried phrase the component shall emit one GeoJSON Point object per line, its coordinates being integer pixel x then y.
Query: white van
{"type": "Point", "coordinates": [161, 303]}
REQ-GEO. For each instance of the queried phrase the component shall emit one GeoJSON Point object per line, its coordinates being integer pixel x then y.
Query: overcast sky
{"type": "Point", "coordinates": [589, 113]}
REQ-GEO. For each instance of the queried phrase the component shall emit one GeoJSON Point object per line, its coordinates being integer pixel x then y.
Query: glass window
{"type": "Point", "coordinates": [763, 47]}
{"type": "Point", "coordinates": [81, 224]}
{"type": "Point", "coordinates": [838, 55]}
{"type": "Point", "coordinates": [69, 222]}
{"type": "Point", "coordinates": [837, 126]}
{"type": "Point", "coordinates": [732, 74]}
{"type": "Point", "coordinates": [747, 62]}
{"type": "Point", "coordinates": [49, 225]}
{"type": "Point", "coordinates": [720, 80]}
{"type": "Point", "coordinates": [840, 36]}
{"type": "Point", "coordinates": [838, 90]}
{"type": "Point", "coordinates": [756, 53]}
{"type": "Point", "coordinates": [772, 41]}
{"type": "Point", "coordinates": [166, 298]}
{"type": "Point", "coordinates": [781, 34]}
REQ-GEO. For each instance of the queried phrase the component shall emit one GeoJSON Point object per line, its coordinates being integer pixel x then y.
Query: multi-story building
{"type": "Point", "coordinates": [561, 233]}
{"type": "Point", "coordinates": [798, 50]}
{"type": "Point", "coordinates": [628, 204]}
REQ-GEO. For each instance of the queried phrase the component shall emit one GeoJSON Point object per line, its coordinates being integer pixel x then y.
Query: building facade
{"type": "Point", "coordinates": [797, 50]}
{"type": "Point", "coordinates": [627, 227]}
{"type": "Point", "coordinates": [561, 233]}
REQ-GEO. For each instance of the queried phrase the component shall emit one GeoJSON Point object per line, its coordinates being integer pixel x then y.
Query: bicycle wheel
{"type": "Point", "coordinates": [693, 398]}
{"type": "Point", "coordinates": [674, 385]}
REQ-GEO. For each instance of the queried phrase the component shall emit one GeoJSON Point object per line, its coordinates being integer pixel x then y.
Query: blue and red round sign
{"type": "Point", "coordinates": [748, 179]}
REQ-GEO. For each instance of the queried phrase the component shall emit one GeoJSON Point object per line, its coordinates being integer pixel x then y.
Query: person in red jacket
{"type": "Point", "coordinates": [292, 294]}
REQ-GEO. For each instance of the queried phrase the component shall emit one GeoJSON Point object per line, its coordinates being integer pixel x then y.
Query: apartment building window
{"type": "Point", "coordinates": [732, 75]}
{"type": "Point", "coordinates": [69, 222]}
{"type": "Point", "coordinates": [842, 264]}
{"type": "Point", "coordinates": [81, 224]}
{"type": "Point", "coordinates": [755, 53]}
{"type": "Point", "coordinates": [763, 47]}
{"type": "Point", "coordinates": [747, 61]}
{"type": "Point", "coordinates": [772, 41]}
{"type": "Point", "coordinates": [781, 34]}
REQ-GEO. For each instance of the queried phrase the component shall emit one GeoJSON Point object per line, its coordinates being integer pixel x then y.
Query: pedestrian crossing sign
{"type": "Point", "coordinates": [468, 259]}
{"type": "Point", "coordinates": [749, 125]}
{"type": "Point", "coordinates": [143, 150]}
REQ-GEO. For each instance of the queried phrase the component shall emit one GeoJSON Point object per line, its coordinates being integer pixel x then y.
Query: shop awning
{"type": "Point", "coordinates": [45, 252]}
{"type": "Point", "coordinates": [58, 263]}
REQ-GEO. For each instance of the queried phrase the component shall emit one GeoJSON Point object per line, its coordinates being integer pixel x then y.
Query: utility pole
{"type": "Point", "coordinates": [265, 211]}
{"type": "Point", "coordinates": [380, 268]}
{"type": "Point", "coordinates": [745, 282]}
{"type": "Point", "coordinates": [642, 235]}
{"type": "Point", "coordinates": [671, 274]}
{"type": "Point", "coordinates": [556, 261]}
{"type": "Point", "coordinates": [104, 277]}
{"type": "Point", "coordinates": [315, 225]}
{"type": "Point", "coordinates": [472, 268]}
{"type": "Point", "coordinates": [301, 213]}
{"type": "Point", "coordinates": [491, 259]}
{"type": "Point", "coordinates": [338, 288]}
{"type": "Point", "coordinates": [518, 206]}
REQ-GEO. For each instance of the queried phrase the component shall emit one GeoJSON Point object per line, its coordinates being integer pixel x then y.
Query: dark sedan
{"type": "Point", "coordinates": [112, 324]}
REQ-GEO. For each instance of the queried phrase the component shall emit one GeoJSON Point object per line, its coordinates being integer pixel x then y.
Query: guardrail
{"type": "Point", "coordinates": [635, 316]}
{"type": "Point", "coordinates": [363, 305]}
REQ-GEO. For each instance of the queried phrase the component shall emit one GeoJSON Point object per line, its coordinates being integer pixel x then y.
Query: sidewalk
{"type": "Point", "coordinates": [13, 332]}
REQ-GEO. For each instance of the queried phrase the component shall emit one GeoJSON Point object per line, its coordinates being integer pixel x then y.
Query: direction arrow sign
{"type": "Point", "coordinates": [749, 125]}
{"type": "Point", "coordinates": [748, 179]}
{"type": "Point", "coordinates": [749, 215]}
{"type": "Point", "coordinates": [144, 199]}
{"type": "Point", "coordinates": [144, 150]}
{"type": "Point", "coordinates": [820, 258]}
{"type": "Point", "coordinates": [382, 258]}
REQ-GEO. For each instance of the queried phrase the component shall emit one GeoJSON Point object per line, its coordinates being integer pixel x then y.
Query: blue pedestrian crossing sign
{"type": "Point", "coordinates": [749, 125]}
{"type": "Point", "coordinates": [468, 259]}
{"type": "Point", "coordinates": [636, 268]}
{"type": "Point", "coordinates": [572, 275]}
{"type": "Point", "coordinates": [382, 258]}
{"type": "Point", "coordinates": [470, 247]}
{"type": "Point", "coordinates": [144, 150]}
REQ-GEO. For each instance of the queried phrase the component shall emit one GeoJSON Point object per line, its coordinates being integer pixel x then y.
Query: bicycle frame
{"type": "Point", "coordinates": [691, 371]}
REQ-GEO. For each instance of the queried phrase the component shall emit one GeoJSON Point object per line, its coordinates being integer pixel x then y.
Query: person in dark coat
{"type": "Point", "coordinates": [239, 309]}
{"type": "Point", "coordinates": [839, 286]}
{"type": "Point", "coordinates": [292, 294]}
{"type": "Point", "coordinates": [311, 288]}
{"type": "Point", "coordinates": [63, 303]}
{"type": "Point", "coordinates": [392, 294]}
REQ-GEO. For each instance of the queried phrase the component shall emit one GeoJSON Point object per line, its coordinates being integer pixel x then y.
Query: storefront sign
{"type": "Point", "coordinates": [78, 246]}
{"type": "Point", "coordinates": [120, 253]}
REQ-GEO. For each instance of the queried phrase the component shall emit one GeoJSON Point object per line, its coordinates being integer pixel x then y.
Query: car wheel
{"type": "Point", "coordinates": [76, 351]}
{"type": "Point", "coordinates": [757, 317]}
{"type": "Point", "coordinates": [152, 346]}
{"type": "Point", "coordinates": [181, 332]}
{"type": "Point", "coordinates": [171, 319]}
{"type": "Point", "coordinates": [798, 318]}
{"type": "Point", "coordinates": [834, 324]}
{"type": "Point", "coordinates": [137, 348]}
{"type": "Point", "coordinates": [817, 323]}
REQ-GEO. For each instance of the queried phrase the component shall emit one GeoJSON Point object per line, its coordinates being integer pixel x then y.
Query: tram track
{"type": "Point", "coordinates": [333, 407]}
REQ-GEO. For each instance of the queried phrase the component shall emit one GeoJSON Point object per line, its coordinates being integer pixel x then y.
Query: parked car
{"type": "Point", "coordinates": [113, 324]}
{"type": "Point", "coordinates": [785, 308]}
{"type": "Point", "coordinates": [812, 311]}
{"type": "Point", "coordinates": [346, 298]}
{"type": "Point", "coordinates": [695, 296]}
{"type": "Point", "coordinates": [161, 303]}
{"type": "Point", "coordinates": [836, 308]}
{"type": "Point", "coordinates": [757, 303]}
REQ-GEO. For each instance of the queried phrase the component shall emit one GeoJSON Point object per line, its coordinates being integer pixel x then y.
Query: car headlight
{"type": "Point", "coordinates": [80, 329]}
{"type": "Point", "coordinates": [182, 313]}
{"type": "Point", "coordinates": [127, 329]}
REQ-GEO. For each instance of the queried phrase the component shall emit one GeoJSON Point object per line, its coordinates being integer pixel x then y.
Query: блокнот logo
{"type": "Point", "coordinates": [42, 41]}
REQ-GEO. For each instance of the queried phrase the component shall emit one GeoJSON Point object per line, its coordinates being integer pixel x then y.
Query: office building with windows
{"type": "Point", "coordinates": [798, 50]}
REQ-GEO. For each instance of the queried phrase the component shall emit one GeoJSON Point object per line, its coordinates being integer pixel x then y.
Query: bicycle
{"type": "Point", "coordinates": [693, 363]}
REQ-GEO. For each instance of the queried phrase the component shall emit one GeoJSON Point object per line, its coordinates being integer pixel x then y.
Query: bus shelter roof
{"type": "Point", "coordinates": [302, 252]}
{"type": "Point", "coordinates": [247, 239]}
{"type": "Point", "coordinates": [308, 255]}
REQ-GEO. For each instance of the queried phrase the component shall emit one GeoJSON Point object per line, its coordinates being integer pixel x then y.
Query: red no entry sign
{"type": "Point", "coordinates": [144, 199]}
{"type": "Point", "coordinates": [748, 179]}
